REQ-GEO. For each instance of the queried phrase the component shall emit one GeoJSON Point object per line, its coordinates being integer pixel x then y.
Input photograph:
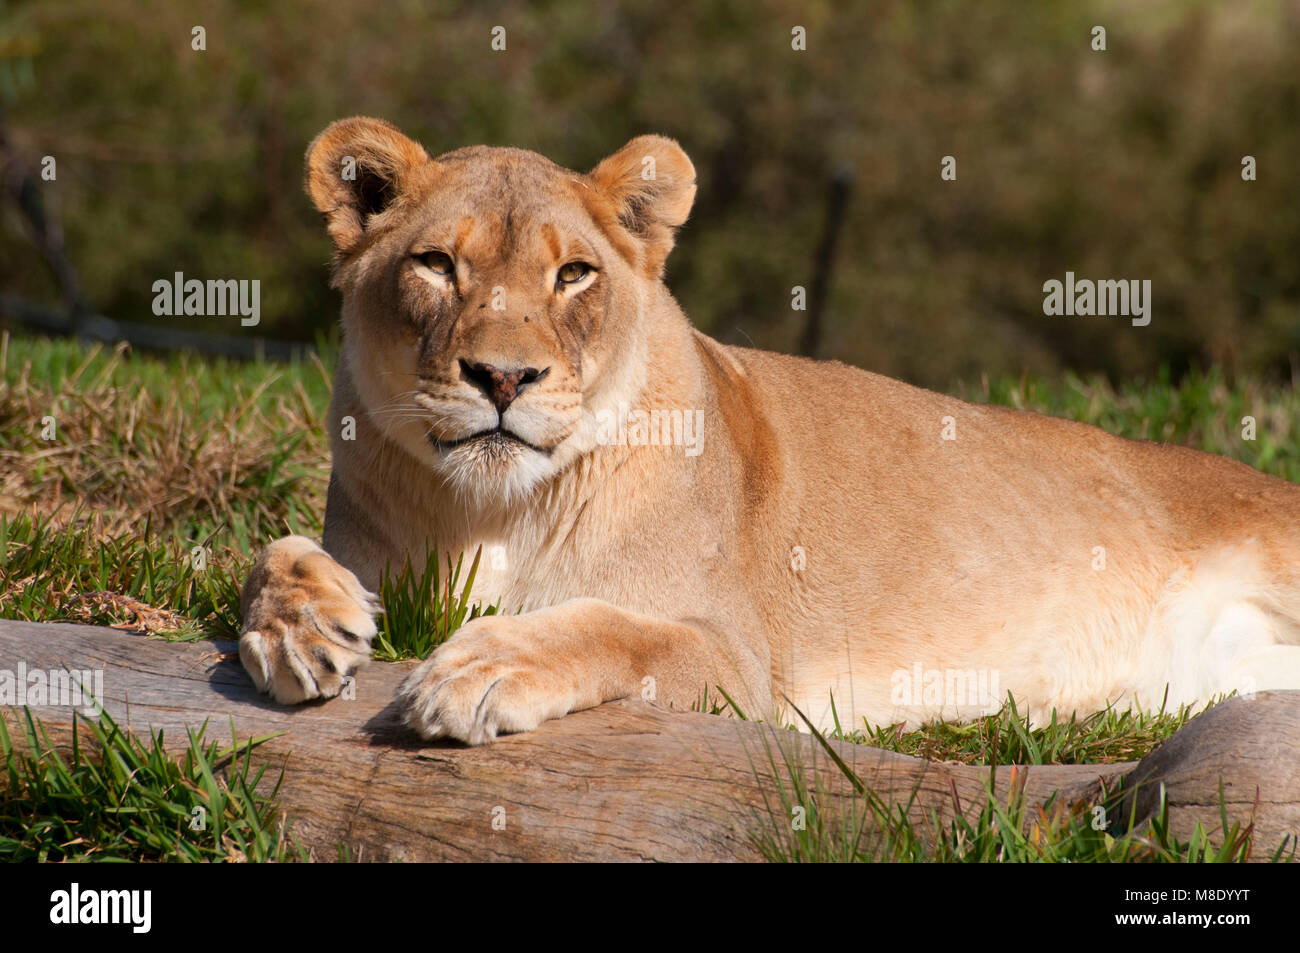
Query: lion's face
{"type": "Point", "coordinates": [493, 300]}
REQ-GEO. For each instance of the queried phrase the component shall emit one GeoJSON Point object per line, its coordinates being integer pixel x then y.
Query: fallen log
{"type": "Point", "coordinates": [627, 780]}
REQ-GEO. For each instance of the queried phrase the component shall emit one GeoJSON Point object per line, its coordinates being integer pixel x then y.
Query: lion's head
{"type": "Point", "coordinates": [492, 299]}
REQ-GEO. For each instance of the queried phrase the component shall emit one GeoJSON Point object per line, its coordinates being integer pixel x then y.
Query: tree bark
{"type": "Point", "coordinates": [627, 780]}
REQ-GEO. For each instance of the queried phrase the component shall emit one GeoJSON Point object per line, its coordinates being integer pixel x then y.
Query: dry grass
{"type": "Point", "coordinates": [124, 455]}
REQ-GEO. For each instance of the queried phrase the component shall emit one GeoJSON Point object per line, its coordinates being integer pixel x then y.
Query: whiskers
{"type": "Point", "coordinates": [408, 407]}
{"type": "Point", "coordinates": [401, 406]}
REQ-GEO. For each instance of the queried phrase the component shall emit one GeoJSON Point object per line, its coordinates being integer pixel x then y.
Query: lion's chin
{"type": "Point", "coordinates": [493, 468]}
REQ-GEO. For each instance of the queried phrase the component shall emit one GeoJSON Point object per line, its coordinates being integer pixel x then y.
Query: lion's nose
{"type": "Point", "coordinates": [501, 385]}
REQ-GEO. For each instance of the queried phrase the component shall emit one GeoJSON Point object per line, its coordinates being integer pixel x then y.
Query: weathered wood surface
{"type": "Point", "coordinates": [626, 781]}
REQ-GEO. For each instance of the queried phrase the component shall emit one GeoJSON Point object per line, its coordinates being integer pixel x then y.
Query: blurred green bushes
{"type": "Point", "coordinates": [1117, 164]}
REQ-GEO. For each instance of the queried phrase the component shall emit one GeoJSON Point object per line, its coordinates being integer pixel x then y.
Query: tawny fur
{"type": "Point", "coordinates": [825, 543]}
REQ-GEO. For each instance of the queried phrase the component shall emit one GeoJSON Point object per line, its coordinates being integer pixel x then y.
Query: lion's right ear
{"type": "Point", "coordinates": [356, 169]}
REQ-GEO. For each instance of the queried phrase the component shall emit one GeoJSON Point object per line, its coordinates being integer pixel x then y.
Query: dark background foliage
{"type": "Point", "coordinates": [1117, 164]}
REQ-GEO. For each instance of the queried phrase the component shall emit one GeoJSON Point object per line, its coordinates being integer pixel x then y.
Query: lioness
{"type": "Point", "coordinates": [798, 533]}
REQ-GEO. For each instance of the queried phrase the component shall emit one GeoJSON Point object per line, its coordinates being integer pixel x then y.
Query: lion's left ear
{"type": "Point", "coordinates": [647, 188]}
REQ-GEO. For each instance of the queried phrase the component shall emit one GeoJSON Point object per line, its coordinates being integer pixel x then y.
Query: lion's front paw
{"type": "Point", "coordinates": [490, 677]}
{"type": "Point", "coordinates": [308, 622]}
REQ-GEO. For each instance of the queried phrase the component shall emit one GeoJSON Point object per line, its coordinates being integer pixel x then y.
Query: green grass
{"type": "Point", "coordinates": [65, 364]}
{"type": "Point", "coordinates": [1202, 410]}
{"type": "Point", "coordinates": [803, 822]}
{"type": "Point", "coordinates": [1006, 737]}
{"type": "Point", "coordinates": [421, 609]}
{"type": "Point", "coordinates": [56, 572]}
{"type": "Point", "coordinates": [114, 797]}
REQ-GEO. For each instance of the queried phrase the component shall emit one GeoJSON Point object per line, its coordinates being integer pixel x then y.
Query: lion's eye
{"type": "Point", "coordinates": [573, 272]}
{"type": "Point", "coordinates": [439, 263]}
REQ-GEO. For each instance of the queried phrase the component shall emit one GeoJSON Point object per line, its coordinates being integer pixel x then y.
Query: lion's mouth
{"type": "Point", "coordinates": [497, 438]}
